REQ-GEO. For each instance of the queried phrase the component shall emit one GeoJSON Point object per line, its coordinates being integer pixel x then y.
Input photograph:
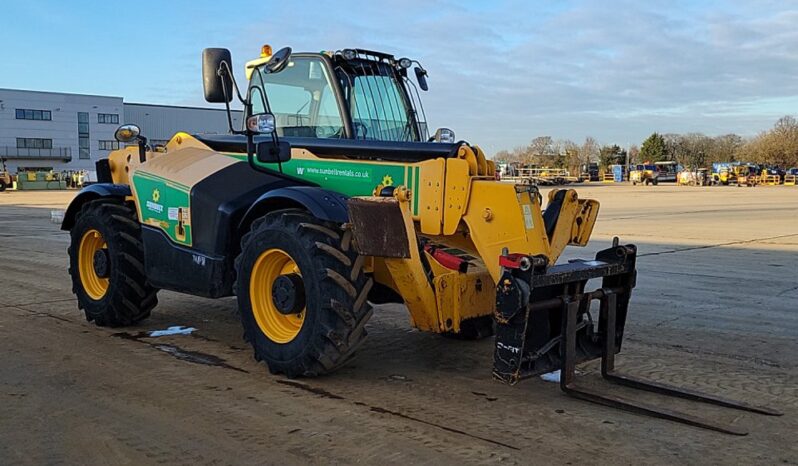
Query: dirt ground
{"type": "Point", "coordinates": [715, 308]}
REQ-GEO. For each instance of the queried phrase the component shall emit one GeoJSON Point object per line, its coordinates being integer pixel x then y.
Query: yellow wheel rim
{"type": "Point", "coordinates": [278, 327]}
{"type": "Point", "coordinates": [94, 285]}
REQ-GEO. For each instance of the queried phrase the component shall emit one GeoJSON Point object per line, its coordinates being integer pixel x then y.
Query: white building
{"type": "Point", "coordinates": [72, 131]}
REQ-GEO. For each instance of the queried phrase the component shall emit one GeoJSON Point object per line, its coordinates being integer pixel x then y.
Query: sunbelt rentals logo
{"type": "Point", "coordinates": [153, 204]}
{"type": "Point", "coordinates": [336, 172]}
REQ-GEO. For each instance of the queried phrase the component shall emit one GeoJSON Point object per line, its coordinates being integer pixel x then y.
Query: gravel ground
{"type": "Point", "coordinates": [715, 308]}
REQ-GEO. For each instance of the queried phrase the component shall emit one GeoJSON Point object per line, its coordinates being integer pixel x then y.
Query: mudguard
{"type": "Point", "coordinates": [322, 203]}
{"type": "Point", "coordinates": [90, 193]}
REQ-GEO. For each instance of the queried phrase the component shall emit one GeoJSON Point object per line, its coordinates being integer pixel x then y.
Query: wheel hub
{"type": "Point", "coordinates": [101, 263]}
{"type": "Point", "coordinates": [288, 294]}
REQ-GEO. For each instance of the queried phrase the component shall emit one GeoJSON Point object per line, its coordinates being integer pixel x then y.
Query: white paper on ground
{"type": "Point", "coordinates": [176, 330]}
{"type": "Point", "coordinates": [56, 216]}
{"type": "Point", "coordinates": [552, 376]}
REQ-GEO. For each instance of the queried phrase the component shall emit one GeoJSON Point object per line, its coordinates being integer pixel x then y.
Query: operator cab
{"type": "Point", "coordinates": [351, 103]}
{"type": "Point", "coordinates": [348, 94]}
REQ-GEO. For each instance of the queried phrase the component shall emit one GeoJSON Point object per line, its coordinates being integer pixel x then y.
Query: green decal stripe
{"type": "Point", "coordinates": [171, 198]}
{"type": "Point", "coordinates": [347, 178]}
{"type": "Point", "coordinates": [416, 184]}
{"type": "Point", "coordinates": [411, 185]}
{"type": "Point", "coordinates": [236, 155]}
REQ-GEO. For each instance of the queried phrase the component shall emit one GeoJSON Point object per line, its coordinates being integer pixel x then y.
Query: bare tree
{"type": "Point", "coordinates": [777, 146]}
{"type": "Point", "coordinates": [634, 154]}
{"type": "Point", "coordinates": [589, 151]}
{"type": "Point", "coordinates": [571, 156]}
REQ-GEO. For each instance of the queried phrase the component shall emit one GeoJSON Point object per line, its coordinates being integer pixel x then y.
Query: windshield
{"type": "Point", "coordinates": [378, 102]}
{"type": "Point", "coordinates": [382, 103]}
{"type": "Point", "coordinates": [301, 98]}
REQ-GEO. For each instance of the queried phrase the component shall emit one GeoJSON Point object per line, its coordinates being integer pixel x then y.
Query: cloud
{"type": "Point", "coordinates": [505, 72]}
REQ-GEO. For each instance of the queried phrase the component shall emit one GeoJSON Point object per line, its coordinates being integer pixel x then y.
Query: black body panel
{"type": "Point", "coordinates": [103, 167]}
{"type": "Point", "coordinates": [222, 207]}
{"type": "Point", "coordinates": [90, 193]}
{"type": "Point", "coordinates": [335, 148]}
{"type": "Point", "coordinates": [172, 267]}
{"type": "Point", "coordinates": [218, 204]}
{"type": "Point", "coordinates": [322, 203]}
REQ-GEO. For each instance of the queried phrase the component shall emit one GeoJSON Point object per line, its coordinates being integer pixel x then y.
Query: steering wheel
{"type": "Point", "coordinates": [278, 61]}
{"type": "Point", "coordinates": [358, 126]}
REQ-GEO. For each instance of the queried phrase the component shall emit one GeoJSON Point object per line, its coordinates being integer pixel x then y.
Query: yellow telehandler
{"type": "Point", "coordinates": [333, 197]}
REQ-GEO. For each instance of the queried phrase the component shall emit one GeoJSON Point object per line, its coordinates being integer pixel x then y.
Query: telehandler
{"type": "Point", "coordinates": [644, 174]}
{"type": "Point", "coordinates": [6, 180]}
{"type": "Point", "coordinates": [333, 197]}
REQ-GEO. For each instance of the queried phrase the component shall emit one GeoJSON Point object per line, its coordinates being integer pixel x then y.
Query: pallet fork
{"type": "Point", "coordinates": [544, 324]}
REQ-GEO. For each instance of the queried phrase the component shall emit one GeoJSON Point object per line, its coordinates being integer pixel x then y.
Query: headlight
{"type": "Point", "coordinates": [405, 63]}
{"type": "Point", "coordinates": [262, 123]}
{"type": "Point", "coordinates": [349, 54]}
{"type": "Point", "coordinates": [444, 135]}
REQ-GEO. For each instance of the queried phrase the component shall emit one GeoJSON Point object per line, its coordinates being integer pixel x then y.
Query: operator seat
{"type": "Point", "coordinates": [552, 212]}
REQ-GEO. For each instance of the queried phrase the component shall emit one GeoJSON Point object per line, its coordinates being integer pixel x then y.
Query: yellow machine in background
{"type": "Point", "coordinates": [644, 174]}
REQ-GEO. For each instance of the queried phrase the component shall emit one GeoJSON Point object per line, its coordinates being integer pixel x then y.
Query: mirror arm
{"type": "Point", "coordinates": [227, 70]}
{"type": "Point", "coordinates": [276, 143]}
{"type": "Point", "coordinates": [142, 148]}
{"type": "Point", "coordinates": [224, 68]}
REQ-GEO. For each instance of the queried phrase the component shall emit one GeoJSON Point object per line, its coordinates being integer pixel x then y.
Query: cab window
{"type": "Point", "coordinates": [302, 99]}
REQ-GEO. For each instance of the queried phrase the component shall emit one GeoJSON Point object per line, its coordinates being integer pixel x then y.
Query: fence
{"type": "Point", "coordinates": [770, 180]}
{"type": "Point", "coordinates": [56, 153]}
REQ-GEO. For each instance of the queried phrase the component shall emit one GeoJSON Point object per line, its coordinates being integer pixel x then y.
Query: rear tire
{"type": "Point", "coordinates": [3, 186]}
{"type": "Point", "coordinates": [335, 294]}
{"type": "Point", "coordinates": [119, 295]}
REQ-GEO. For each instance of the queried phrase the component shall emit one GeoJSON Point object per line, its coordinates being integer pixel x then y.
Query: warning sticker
{"type": "Point", "coordinates": [528, 223]}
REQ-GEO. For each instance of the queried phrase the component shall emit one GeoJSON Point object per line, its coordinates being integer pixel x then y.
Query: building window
{"type": "Point", "coordinates": [34, 143]}
{"type": "Point", "coordinates": [83, 135]}
{"type": "Point", "coordinates": [28, 114]}
{"type": "Point", "coordinates": [109, 145]}
{"type": "Point", "coordinates": [111, 118]}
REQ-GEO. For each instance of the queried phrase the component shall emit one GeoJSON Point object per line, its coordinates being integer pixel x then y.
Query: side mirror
{"type": "Point", "coordinates": [130, 133]}
{"type": "Point", "coordinates": [127, 133]}
{"type": "Point", "coordinates": [269, 152]}
{"type": "Point", "coordinates": [261, 123]}
{"type": "Point", "coordinates": [421, 77]}
{"type": "Point", "coordinates": [278, 61]}
{"type": "Point", "coordinates": [218, 85]}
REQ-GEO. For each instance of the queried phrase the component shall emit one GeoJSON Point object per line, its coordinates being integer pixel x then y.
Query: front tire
{"type": "Point", "coordinates": [106, 263]}
{"type": "Point", "coordinates": [302, 293]}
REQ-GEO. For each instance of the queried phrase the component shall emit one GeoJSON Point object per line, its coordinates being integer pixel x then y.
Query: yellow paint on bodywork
{"type": "Point", "coordinates": [482, 163]}
{"type": "Point", "coordinates": [410, 279]}
{"type": "Point", "coordinates": [462, 296]}
{"type": "Point", "coordinates": [516, 223]}
{"type": "Point", "coordinates": [465, 153]}
{"type": "Point", "coordinates": [249, 68]}
{"type": "Point", "coordinates": [431, 195]}
{"type": "Point", "coordinates": [458, 185]}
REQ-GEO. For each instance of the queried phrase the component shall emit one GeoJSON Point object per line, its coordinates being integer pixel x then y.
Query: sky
{"type": "Point", "coordinates": [500, 72]}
